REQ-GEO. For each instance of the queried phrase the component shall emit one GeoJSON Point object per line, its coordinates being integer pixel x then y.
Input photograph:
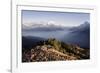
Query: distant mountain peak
{"type": "Point", "coordinates": [42, 24]}
{"type": "Point", "coordinates": [85, 24]}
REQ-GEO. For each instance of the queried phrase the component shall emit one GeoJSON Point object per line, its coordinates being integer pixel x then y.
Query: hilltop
{"type": "Point", "coordinates": [54, 50]}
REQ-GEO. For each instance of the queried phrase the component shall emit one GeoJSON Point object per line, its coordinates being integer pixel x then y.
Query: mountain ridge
{"type": "Point", "coordinates": [54, 50]}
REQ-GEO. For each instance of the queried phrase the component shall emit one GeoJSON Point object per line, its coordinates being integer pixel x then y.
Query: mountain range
{"type": "Point", "coordinates": [79, 35]}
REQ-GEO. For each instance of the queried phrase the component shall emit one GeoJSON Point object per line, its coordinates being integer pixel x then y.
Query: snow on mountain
{"type": "Point", "coordinates": [41, 26]}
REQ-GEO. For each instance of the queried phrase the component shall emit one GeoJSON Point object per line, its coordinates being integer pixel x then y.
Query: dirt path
{"type": "Point", "coordinates": [52, 50]}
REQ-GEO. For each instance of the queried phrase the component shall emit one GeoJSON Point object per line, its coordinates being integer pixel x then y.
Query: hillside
{"type": "Point", "coordinates": [54, 50]}
{"type": "Point", "coordinates": [79, 35]}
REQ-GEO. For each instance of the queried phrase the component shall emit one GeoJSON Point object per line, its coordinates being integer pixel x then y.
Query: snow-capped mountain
{"type": "Point", "coordinates": [41, 26]}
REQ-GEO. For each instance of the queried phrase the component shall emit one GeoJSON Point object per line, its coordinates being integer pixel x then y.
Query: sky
{"type": "Point", "coordinates": [57, 18]}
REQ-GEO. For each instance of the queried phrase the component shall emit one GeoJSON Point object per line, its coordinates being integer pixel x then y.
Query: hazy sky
{"type": "Point", "coordinates": [58, 18]}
